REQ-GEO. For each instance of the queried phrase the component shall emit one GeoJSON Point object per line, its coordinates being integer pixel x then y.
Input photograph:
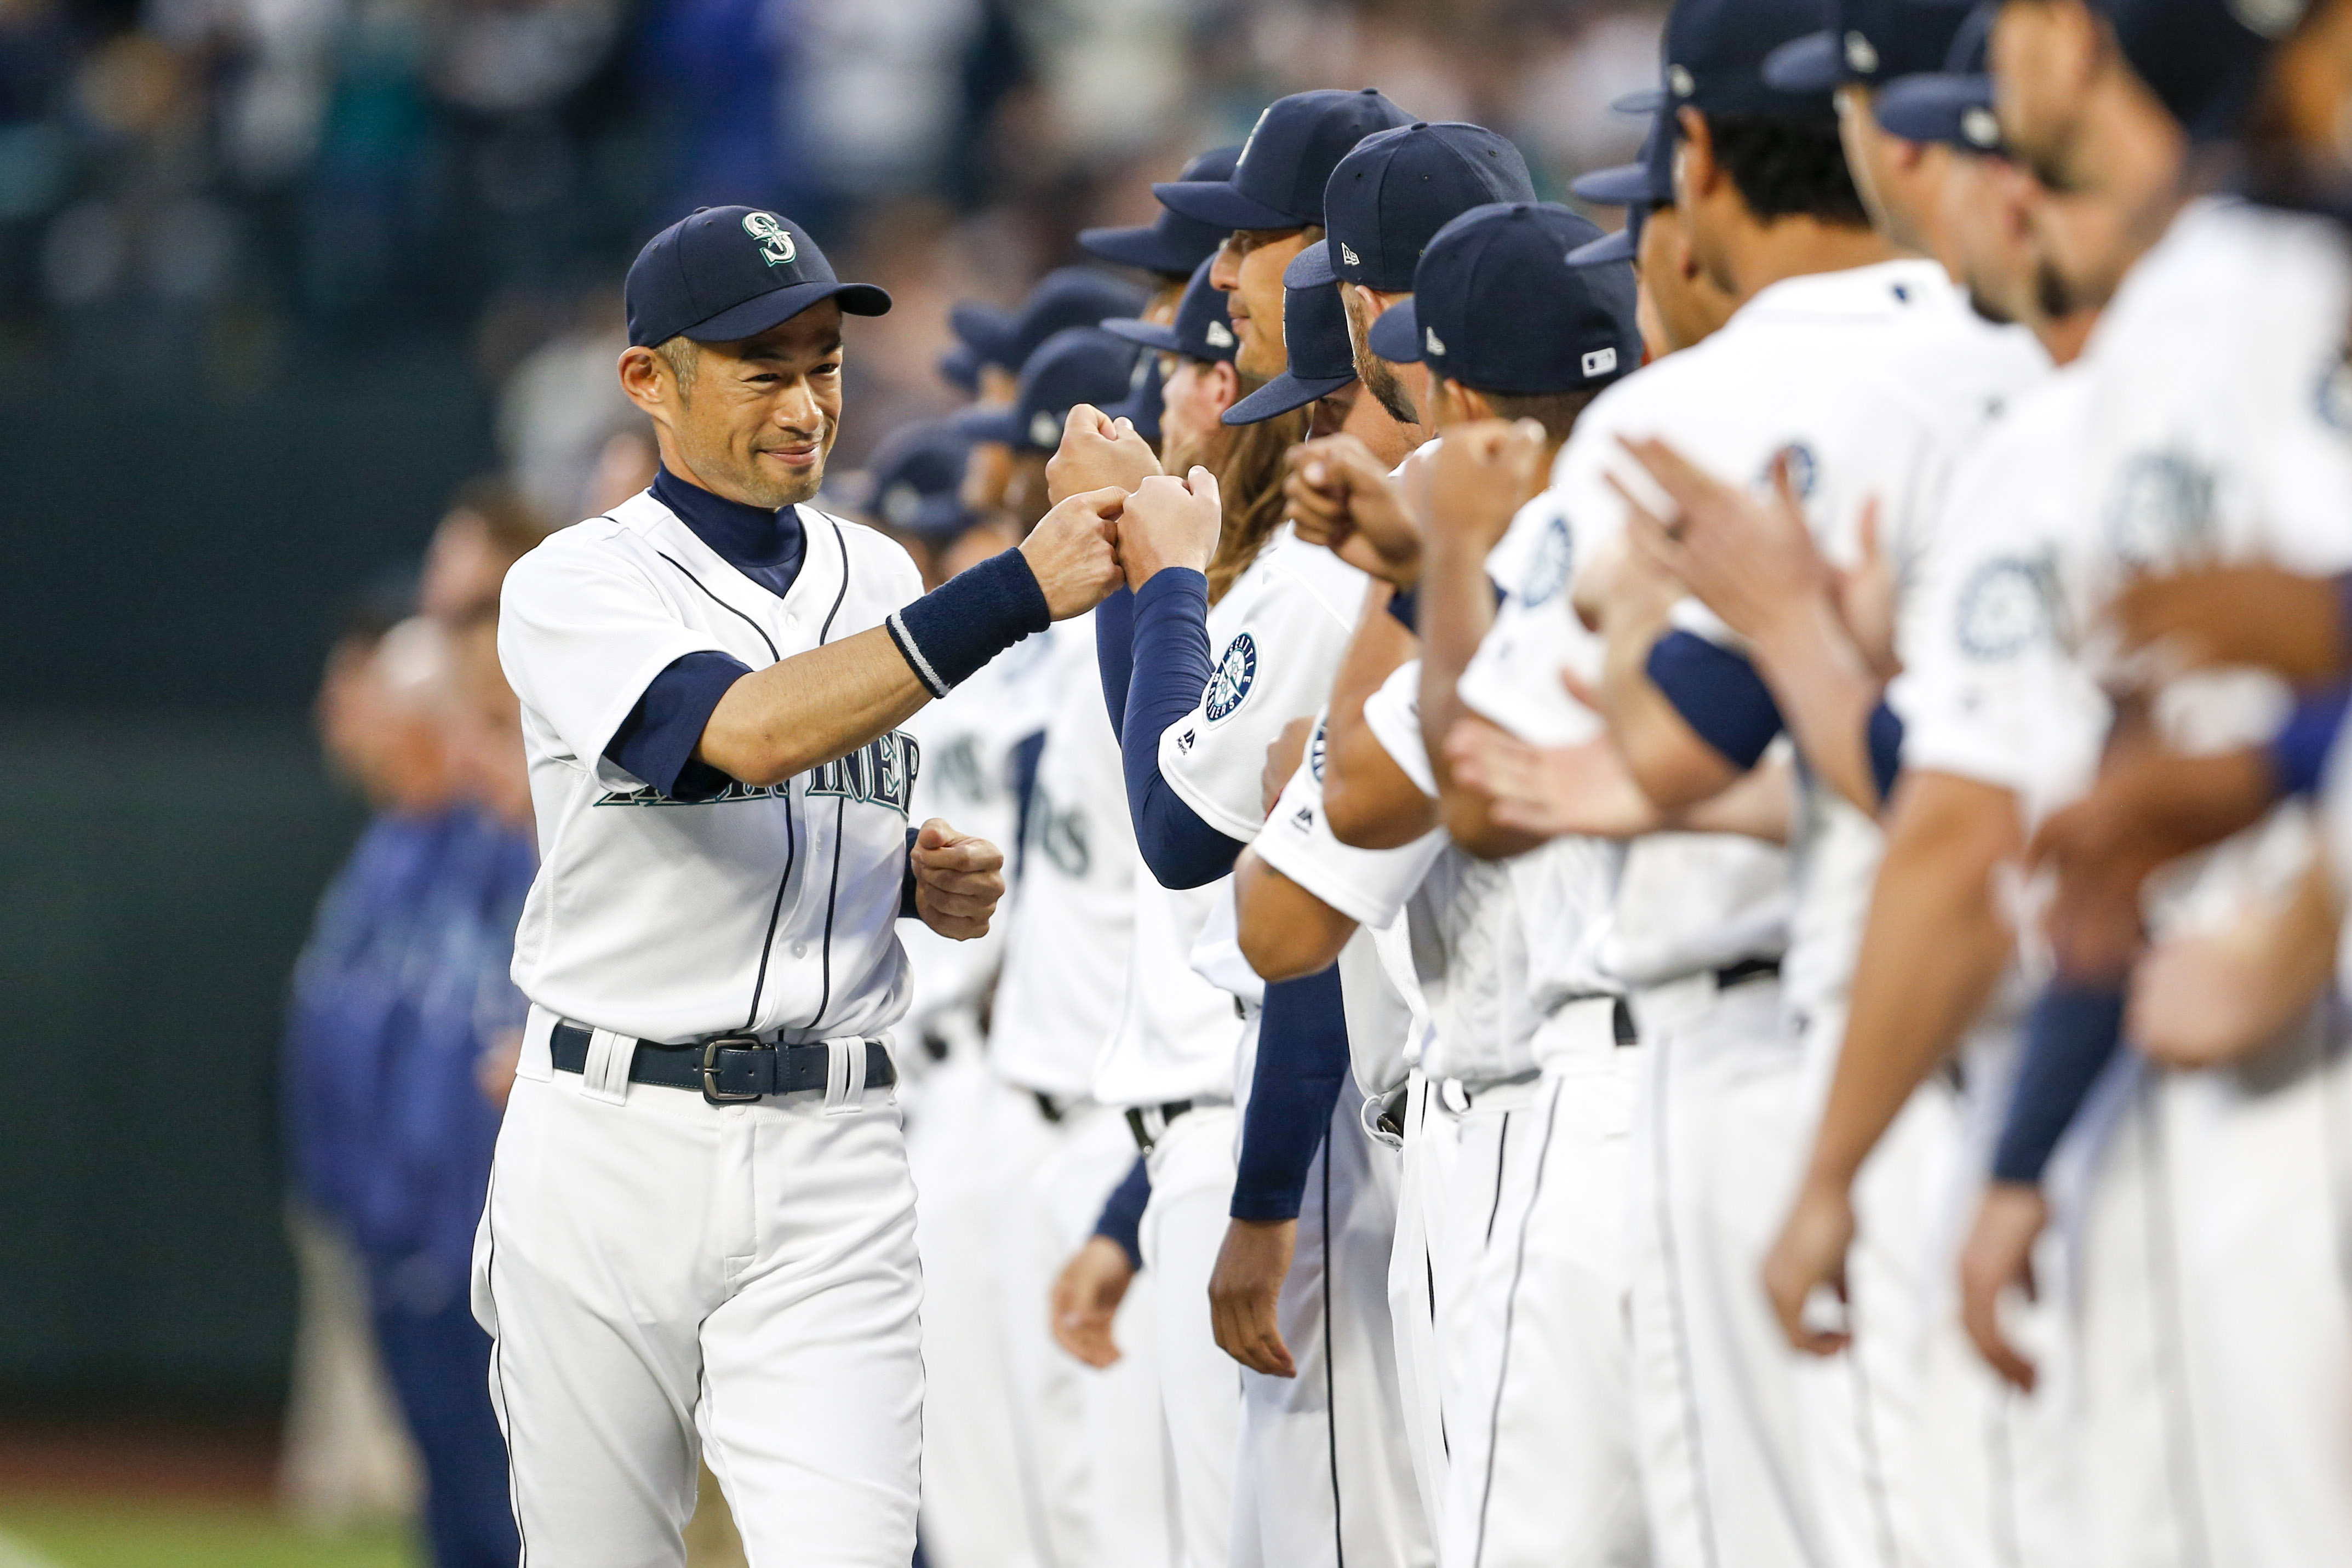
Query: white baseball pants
{"type": "Point", "coordinates": [1091, 1451]}
{"type": "Point", "coordinates": [1325, 1475]}
{"type": "Point", "coordinates": [2216, 1339]}
{"type": "Point", "coordinates": [1413, 1294]}
{"type": "Point", "coordinates": [653, 1269]}
{"type": "Point", "coordinates": [1543, 1467]}
{"type": "Point", "coordinates": [1200, 1386]}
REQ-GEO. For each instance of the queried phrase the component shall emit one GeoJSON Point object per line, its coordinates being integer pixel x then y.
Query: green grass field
{"type": "Point", "coordinates": [166, 1533]}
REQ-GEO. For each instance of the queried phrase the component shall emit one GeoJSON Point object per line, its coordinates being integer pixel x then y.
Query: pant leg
{"type": "Point", "coordinates": [1544, 1460]}
{"type": "Point", "coordinates": [439, 1360]}
{"type": "Point", "coordinates": [1413, 1306]}
{"type": "Point", "coordinates": [1199, 1385]}
{"type": "Point", "coordinates": [811, 1394]}
{"type": "Point", "coordinates": [597, 1258]}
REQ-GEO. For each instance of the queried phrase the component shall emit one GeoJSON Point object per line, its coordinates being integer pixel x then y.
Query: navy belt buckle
{"type": "Point", "coordinates": [711, 1092]}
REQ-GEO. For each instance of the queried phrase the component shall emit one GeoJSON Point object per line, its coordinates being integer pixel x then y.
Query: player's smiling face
{"type": "Point", "coordinates": [758, 417]}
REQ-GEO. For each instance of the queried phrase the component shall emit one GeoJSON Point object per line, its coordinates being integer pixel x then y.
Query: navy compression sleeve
{"type": "Point", "coordinates": [2299, 753]}
{"type": "Point", "coordinates": [1122, 1212]}
{"type": "Point", "coordinates": [1302, 1061]}
{"type": "Point", "coordinates": [2071, 1035]}
{"type": "Point", "coordinates": [1115, 653]}
{"type": "Point", "coordinates": [1718, 694]}
{"type": "Point", "coordinates": [1172, 670]}
{"type": "Point", "coordinates": [655, 743]}
{"type": "Point", "coordinates": [1885, 737]}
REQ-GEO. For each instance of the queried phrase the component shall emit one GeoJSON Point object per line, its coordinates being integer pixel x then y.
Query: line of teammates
{"type": "Point", "coordinates": [1687, 912]}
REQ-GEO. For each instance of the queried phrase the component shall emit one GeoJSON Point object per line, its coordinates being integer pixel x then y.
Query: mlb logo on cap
{"type": "Point", "coordinates": [1599, 362]}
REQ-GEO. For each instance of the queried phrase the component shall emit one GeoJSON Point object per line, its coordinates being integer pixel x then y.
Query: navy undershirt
{"type": "Point", "coordinates": [1302, 1061]}
{"type": "Point", "coordinates": [1171, 670]}
{"type": "Point", "coordinates": [655, 743]}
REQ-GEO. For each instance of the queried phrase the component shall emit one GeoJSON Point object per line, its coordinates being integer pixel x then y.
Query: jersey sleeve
{"type": "Point", "coordinates": [1276, 666]}
{"type": "Point", "coordinates": [1514, 679]}
{"type": "Point", "coordinates": [1367, 885]}
{"type": "Point", "coordinates": [1393, 715]}
{"type": "Point", "coordinates": [581, 634]}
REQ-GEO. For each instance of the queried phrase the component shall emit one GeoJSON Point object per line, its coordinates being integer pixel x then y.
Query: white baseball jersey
{"type": "Point", "coordinates": [1277, 637]}
{"type": "Point", "coordinates": [967, 739]}
{"type": "Point", "coordinates": [770, 908]}
{"type": "Point", "coordinates": [1072, 919]}
{"type": "Point", "coordinates": [1370, 886]}
{"type": "Point", "coordinates": [1869, 379]}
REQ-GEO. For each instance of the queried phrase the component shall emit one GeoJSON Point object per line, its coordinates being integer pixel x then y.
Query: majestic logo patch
{"type": "Point", "coordinates": [1548, 568]}
{"type": "Point", "coordinates": [2003, 607]}
{"type": "Point", "coordinates": [1234, 675]}
{"type": "Point", "coordinates": [1219, 335]}
{"type": "Point", "coordinates": [1599, 362]}
{"type": "Point", "coordinates": [776, 246]}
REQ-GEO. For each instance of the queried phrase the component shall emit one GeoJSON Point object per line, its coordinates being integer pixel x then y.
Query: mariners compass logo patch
{"type": "Point", "coordinates": [1233, 676]}
{"type": "Point", "coordinates": [776, 246]}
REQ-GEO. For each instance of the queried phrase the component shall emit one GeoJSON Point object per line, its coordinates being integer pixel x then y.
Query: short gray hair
{"type": "Point", "coordinates": [684, 357]}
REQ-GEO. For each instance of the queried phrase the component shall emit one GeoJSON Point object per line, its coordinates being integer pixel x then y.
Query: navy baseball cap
{"type": "Point", "coordinates": [1714, 54]}
{"type": "Point", "coordinates": [1278, 180]}
{"type": "Point", "coordinates": [1066, 297]}
{"type": "Point", "coordinates": [1645, 182]}
{"type": "Point", "coordinates": [1202, 328]}
{"type": "Point", "coordinates": [1619, 244]}
{"type": "Point", "coordinates": [1499, 306]}
{"type": "Point", "coordinates": [915, 481]}
{"type": "Point", "coordinates": [1322, 360]}
{"type": "Point", "coordinates": [1866, 42]}
{"type": "Point", "coordinates": [1396, 188]}
{"type": "Point", "coordinates": [1143, 402]}
{"type": "Point", "coordinates": [1077, 364]}
{"type": "Point", "coordinates": [1173, 245]}
{"type": "Point", "coordinates": [2204, 60]}
{"type": "Point", "coordinates": [1953, 105]}
{"type": "Point", "coordinates": [720, 274]}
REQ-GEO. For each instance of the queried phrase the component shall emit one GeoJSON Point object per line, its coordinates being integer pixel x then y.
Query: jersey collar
{"type": "Point", "coordinates": [1870, 291]}
{"type": "Point", "coordinates": [742, 536]}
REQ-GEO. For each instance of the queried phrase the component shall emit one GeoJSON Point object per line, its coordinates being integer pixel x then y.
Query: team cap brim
{"type": "Point", "coordinates": [757, 314]}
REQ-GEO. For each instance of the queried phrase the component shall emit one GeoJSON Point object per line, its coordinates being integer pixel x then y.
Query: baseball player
{"type": "Point", "coordinates": [2226, 465]}
{"type": "Point", "coordinates": [700, 1232]}
{"type": "Point", "coordinates": [1776, 1461]}
{"type": "Point", "coordinates": [1172, 247]}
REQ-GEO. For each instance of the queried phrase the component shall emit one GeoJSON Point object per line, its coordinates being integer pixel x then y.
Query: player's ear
{"type": "Point", "coordinates": [1694, 170]}
{"type": "Point", "coordinates": [1468, 402]}
{"type": "Point", "coordinates": [646, 378]}
{"type": "Point", "coordinates": [1224, 384]}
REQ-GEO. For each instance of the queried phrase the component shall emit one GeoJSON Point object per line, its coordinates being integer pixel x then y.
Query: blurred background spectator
{"type": "Point", "coordinates": [275, 277]}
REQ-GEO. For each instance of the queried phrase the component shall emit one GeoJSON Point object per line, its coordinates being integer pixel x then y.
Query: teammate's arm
{"type": "Point", "coordinates": [1369, 802]}
{"type": "Point", "coordinates": [2207, 998]}
{"type": "Point", "coordinates": [1286, 930]}
{"type": "Point", "coordinates": [1933, 948]}
{"type": "Point", "coordinates": [816, 706]}
{"type": "Point", "coordinates": [1480, 478]}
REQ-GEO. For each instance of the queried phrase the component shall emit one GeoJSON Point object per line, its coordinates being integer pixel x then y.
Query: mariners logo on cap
{"type": "Point", "coordinates": [1861, 56]}
{"type": "Point", "coordinates": [1235, 674]}
{"type": "Point", "coordinates": [776, 246]}
{"type": "Point", "coordinates": [1219, 335]}
{"type": "Point", "coordinates": [1432, 342]}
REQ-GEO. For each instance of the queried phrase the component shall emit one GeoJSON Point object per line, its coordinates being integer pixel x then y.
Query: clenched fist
{"type": "Point", "coordinates": [1073, 551]}
{"type": "Point", "coordinates": [1170, 522]}
{"type": "Point", "coordinates": [1097, 453]}
{"type": "Point", "coordinates": [957, 880]}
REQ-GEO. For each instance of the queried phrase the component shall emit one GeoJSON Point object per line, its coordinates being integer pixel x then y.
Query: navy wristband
{"type": "Point", "coordinates": [969, 619]}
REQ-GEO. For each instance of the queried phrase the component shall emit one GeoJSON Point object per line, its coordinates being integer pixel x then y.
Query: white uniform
{"type": "Point", "coordinates": [1381, 1384]}
{"type": "Point", "coordinates": [1539, 1359]}
{"type": "Point", "coordinates": [652, 1268]}
{"type": "Point", "coordinates": [1275, 637]}
{"type": "Point", "coordinates": [1869, 379]}
{"type": "Point", "coordinates": [967, 1132]}
{"type": "Point", "coordinates": [1088, 1442]}
{"type": "Point", "coordinates": [2215, 1337]}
